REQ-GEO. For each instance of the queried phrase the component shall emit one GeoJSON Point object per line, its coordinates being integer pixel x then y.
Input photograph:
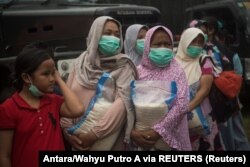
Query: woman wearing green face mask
{"type": "Point", "coordinates": [134, 42]}
{"type": "Point", "coordinates": [158, 64]}
{"type": "Point", "coordinates": [200, 79]}
{"type": "Point", "coordinates": [103, 55]}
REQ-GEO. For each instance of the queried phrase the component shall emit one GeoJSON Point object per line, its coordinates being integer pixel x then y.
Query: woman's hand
{"type": "Point", "coordinates": [73, 140]}
{"type": "Point", "coordinates": [151, 135]}
{"type": "Point", "coordinates": [145, 139]}
{"type": "Point", "coordinates": [87, 139]}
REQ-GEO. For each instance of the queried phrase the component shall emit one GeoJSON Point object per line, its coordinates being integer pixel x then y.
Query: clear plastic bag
{"type": "Point", "coordinates": [152, 100]}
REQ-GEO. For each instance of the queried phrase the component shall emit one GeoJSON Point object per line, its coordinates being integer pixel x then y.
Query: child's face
{"type": "Point", "coordinates": [44, 77]}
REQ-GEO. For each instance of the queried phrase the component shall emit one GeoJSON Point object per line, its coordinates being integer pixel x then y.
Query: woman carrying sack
{"type": "Point", "coordinates": [200, 79]}
{"type": "Point", "coordinates": [159, 64]}
{"type": "Point", "coordinates": [103, 55]}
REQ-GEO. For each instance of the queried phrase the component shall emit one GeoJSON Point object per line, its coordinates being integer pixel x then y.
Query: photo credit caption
{"type": "Point", "coordinates": [76, 158]}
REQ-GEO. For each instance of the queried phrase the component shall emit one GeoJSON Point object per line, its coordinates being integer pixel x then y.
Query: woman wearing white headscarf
{"type": "Point", "coordinates": [200, 79]}
{"type": "Point", "coordinates": [103, 54]}
{"type": "Point", "coordinates": [134, 42]}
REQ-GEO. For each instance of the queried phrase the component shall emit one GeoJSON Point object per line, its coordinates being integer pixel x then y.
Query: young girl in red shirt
{"type": "Point", "coordinates": [29, 119]}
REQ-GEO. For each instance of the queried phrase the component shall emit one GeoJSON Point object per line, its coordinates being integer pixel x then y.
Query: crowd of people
{"type": "Point", "coordinates": [111, 100]}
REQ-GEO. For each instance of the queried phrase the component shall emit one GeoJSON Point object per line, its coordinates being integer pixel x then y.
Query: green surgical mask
{"type": "Point", "coordinates": [206, 37]}
{"type": "Point", "coordinates": [194, 51]}
{"type": "Point", "coordinates": [109, 45]}
{"type": "Point", "coordinates": [35, 91]}
{"type": "Point", "coordinates": [139, 46]}
{"type": "Point", "coordinates": [161, 57]}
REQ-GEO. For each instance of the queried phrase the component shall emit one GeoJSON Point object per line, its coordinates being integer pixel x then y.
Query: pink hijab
{"type": "Point", "coordinates": [145, 60]}
{"type": "Point", "coordinates": [173, 128]}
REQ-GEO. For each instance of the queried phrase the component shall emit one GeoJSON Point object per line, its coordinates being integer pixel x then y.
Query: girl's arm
{"type": "Point", "coordinates": [6, 137]}
{"type": "Point", "coordinates": [72, 106]}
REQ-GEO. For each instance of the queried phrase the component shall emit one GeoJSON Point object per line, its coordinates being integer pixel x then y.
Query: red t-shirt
{"type": "Point", "coordinates": [34, 129]}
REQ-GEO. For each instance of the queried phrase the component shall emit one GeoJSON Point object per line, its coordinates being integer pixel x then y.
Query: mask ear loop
{"type": "Point", "coordinates": [36, 89]}
{"type": "Point", "coordinates": [29, 79]}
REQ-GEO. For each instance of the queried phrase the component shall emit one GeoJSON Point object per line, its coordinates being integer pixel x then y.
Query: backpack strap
{"type": "Point", "coordinates": [203, 59]}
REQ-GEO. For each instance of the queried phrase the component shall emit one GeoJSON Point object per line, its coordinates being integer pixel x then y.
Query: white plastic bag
{"type": "Point", "coordinates": [152, 100]}
{"type": "Point", "coordinates": [98, 106]}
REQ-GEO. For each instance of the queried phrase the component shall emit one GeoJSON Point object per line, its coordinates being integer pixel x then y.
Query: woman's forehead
{"type": "Point", "coordinates": [160, 34]}
{"type": "Point", "coordinates": [110, 24]}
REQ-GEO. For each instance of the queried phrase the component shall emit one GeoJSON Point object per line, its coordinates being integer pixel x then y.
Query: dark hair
{"type": "Point", "coordinates": [145, 27]}
{"type": "Point", "coordinates": [212, 22]}
{"type": "Point", "coordinates": [29, 59]}
{"type": "Point", "coordinates": [226, 36]}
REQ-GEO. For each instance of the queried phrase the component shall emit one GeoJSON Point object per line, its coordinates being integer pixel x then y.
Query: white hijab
{"type": "Point", "coordinates": [190, 65]}
{"type": "Point", "coordinates": [130, 42]}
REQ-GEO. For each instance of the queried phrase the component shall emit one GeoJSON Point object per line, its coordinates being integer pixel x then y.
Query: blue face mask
{"type": "Point", "coordinates": [194, 51]}
{"type": "Point", "coordinates": [161, 57]}
{"type": "Point", "coordinates": [109, 45]}
{"type": "Point", "coordinates": [35, 91]}
{"type": "Point", "coordinates": [139, 47]}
